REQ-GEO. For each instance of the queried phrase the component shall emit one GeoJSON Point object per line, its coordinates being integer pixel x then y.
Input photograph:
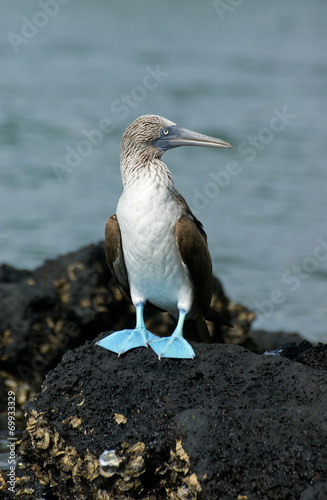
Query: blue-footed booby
{"type": "Point", "coordinates": [156, 248]}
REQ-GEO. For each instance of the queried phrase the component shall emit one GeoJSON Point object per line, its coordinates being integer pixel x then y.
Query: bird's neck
{"type": "Point", "coordinates": [141, 170]}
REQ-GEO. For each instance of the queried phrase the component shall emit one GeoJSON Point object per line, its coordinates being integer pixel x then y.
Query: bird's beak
{"type": "Point", "coordinates": [179, 136]}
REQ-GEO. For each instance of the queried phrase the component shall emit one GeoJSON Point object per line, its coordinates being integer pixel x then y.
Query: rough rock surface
{"type": "Point", "coordinates": [305, 353]}
{"type": "Point", "coordinates": [229, 424]}
{"type": "Point", "coordinates": [69, 300]}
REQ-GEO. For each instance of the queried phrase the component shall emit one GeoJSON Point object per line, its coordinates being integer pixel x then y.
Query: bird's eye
{"type": "Point", "coordinates": [165, 131]}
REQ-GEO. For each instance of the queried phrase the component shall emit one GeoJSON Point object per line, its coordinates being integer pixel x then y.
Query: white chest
{"type": "Point", "coordinates": [147, 215]}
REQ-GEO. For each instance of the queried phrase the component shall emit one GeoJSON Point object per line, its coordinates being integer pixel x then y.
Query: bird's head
{"type": "Point", "coordinates": [153, 135]}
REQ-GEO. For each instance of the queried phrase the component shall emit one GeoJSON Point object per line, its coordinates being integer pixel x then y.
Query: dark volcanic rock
{"type": "Point", "coordinates": [44, 312]}
{"type": "Point", "coordinates": [306, 353]}
{"type": "Point", "coordinates": [229, 424]}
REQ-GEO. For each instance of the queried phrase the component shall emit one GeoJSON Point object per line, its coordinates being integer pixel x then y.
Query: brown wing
{"type": "Point", "coordinates": [115, 255]}
{"type": "Point", "coordinates": [192, 245]}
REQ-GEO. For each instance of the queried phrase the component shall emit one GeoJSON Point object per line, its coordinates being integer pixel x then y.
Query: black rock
{"type": "Point", "coordinates": [229, 424]}
{"type": "Point", "coordinates": [306, 353]}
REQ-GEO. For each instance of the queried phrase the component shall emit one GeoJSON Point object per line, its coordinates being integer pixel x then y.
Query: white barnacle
{"type": "Point", "coordinates": [109, 463]}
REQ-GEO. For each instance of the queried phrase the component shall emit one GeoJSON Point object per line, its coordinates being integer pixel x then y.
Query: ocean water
{"type": "Point", "coordinates": [74, 74]}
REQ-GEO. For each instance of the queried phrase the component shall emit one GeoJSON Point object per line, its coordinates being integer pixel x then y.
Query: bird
{"type": "Point", "coordinates": [156, 249]}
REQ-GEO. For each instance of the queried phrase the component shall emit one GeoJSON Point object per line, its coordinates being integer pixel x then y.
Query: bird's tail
{"type": "Point", "coordinates": [196, 330]}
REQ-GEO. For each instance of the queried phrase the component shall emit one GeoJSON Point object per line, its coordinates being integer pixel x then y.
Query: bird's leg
{"type": "Point", "coordinates": [124, 340]}
{"type": "Point", "coordinates": [174, 346]}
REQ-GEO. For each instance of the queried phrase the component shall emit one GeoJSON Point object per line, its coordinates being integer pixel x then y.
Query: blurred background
{"type": "Point", "coordinates": [74, 74]}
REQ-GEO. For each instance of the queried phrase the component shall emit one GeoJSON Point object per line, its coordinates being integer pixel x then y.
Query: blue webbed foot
{"type": "Point", "coordinates": [175, 346]}
{"type": "Point", "coordinates": [172, 347]}
{"type": "Point", "coordinates": [124, 340]}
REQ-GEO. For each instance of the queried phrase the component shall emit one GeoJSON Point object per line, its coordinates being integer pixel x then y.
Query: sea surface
{"type": "Point", "coordinates": [74, 74]}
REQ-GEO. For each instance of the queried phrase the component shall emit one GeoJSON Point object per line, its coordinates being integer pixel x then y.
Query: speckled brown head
{"type": "Point", "coordinates": [150, 132]}
{"type": "Point", "coordinates": [149, 136]}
